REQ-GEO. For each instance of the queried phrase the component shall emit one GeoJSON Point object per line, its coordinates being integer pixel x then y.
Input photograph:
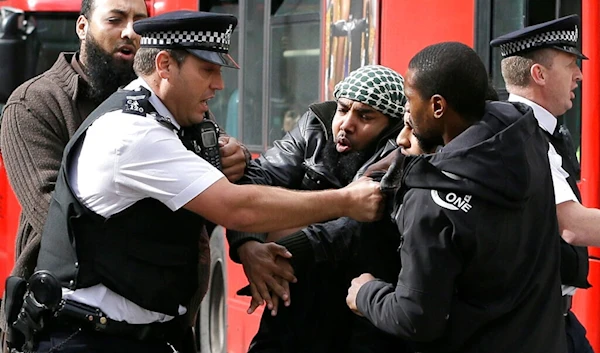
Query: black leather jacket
{"type": "Point", "coordinates": [318, 319]}
{"type": "Point", "coordinates": [297, 161]}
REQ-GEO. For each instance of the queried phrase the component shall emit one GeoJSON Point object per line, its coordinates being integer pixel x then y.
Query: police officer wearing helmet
{"type": "Point", "coordinates": [540, 68]}
{"type": "Point", "coordinates": [122, 234]}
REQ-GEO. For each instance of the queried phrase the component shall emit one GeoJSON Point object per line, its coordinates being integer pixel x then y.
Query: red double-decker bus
{"type": "Point", "coordinates": [291, 53]}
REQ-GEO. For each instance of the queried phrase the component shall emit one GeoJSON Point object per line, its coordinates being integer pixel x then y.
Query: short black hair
{"type": "Point", "coordinates": [86, 8]}
{"type": "Point", "coordinates": [454, 71]}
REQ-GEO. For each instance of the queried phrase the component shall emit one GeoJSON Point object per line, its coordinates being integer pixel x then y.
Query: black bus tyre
{"type": "Point", "coordinates": [211, 322]}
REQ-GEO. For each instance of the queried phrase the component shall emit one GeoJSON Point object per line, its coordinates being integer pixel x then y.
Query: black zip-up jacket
{"type": "Point", "coordinates": [480, 249]}
{"type": "Point", "coordinates": [318, 319]}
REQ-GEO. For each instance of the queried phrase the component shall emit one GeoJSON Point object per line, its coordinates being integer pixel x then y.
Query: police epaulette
{"type": "Point", "coordinates": [138, 102]}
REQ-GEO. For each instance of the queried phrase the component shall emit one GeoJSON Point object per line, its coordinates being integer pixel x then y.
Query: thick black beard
{"type": "Point", "coordinates": [105, 73]}
{"type": "Point", "coordinates": [345, 165]}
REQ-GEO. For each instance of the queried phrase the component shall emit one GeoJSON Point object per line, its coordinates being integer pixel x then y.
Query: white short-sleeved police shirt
{"type": "Point", "coordinates": [124, 159]}
{"type": "Point", "coordinates": [562, 190]}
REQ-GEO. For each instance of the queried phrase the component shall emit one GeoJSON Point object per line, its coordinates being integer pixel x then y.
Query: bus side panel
{"type": "Point", "coordinates": [586, 304]}
{"type": "Point", "coordinates": [162, 6]}
{"type": "Point", "coordinates": [406, 28]}
{"type": "Point", "coordinates": [241, 327]}
{"type": "Point", "coordinates": [9, 221]}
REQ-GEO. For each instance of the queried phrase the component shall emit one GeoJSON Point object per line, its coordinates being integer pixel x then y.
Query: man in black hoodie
{"type": "Point", "coordinates": [477, 220]}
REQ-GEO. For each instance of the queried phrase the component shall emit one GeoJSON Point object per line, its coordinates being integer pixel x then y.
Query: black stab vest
{"type": "Point", "coordinates": [146, 253]}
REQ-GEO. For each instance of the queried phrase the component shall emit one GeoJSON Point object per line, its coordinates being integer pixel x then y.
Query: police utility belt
{"type": "Point", "coordinates": [37, 306]}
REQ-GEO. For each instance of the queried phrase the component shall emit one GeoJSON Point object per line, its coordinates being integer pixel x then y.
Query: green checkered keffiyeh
{"type": "Point", "coordinates": [378, 86]}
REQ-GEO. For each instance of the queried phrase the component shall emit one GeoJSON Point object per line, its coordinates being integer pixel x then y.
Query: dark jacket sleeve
{"type": "Point", "coordinates": [282, 165]}
{"type": "Point", "coordinates": [574, 265]}
{"type": "Point", "coordinates": [326, 244]}
{"type": "Point", "coordinates": [418, 306]}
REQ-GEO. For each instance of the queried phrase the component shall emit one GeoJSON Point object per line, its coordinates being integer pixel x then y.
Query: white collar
{"type": "Point", "coordinates": [160, 107]}
{"type": "Point", "coordinates": [545, 119]}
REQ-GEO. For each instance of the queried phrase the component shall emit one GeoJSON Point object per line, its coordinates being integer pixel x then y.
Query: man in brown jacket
{"type": "Point", "coordinates": [43, 114]}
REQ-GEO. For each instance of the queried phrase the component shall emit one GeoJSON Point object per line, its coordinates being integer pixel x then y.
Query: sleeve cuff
{"type": "Point", "coordinates": [236, 239]}
{"type": "Point", "coordinates": [302, 252]}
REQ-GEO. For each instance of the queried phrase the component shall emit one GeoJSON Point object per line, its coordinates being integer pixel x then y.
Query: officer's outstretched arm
{"type": "Point", "coordinates": [257, 208]}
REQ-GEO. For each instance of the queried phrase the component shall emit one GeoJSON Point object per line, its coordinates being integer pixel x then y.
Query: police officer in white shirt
{"type": "Point", "coordinates": [123, 227]}
{"type": "Point", "coordinates": [540, 69]}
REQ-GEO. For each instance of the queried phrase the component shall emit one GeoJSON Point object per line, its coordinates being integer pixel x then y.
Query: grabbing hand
{"type": "Point", "coordinates": [233, 158]}
{"type": "Point", "coordinates": [357, 283]}
{"type": "Point", "coordinates": [266, 266]}
{"type": "Point", "coordinates": [366, 200]}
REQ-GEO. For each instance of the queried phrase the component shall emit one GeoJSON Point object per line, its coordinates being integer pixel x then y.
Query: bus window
{"type": "Point", "coordinates": [55, 34]}
{"type": "Point", "coordinates": [225, 104]}
{"type": "Point", "coordinates": [294, 64]}
{"type": "Point", "coordinates": [252, 70]}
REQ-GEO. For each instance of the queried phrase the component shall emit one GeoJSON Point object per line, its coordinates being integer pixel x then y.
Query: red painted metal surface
{"type": "Point", "coordinates": [241, 327]}
{"type": "Point", "coordinates": [409, 26]}
{"type": "Point", "coordinates": [44, 5]}
{"type": "Point", "coordinates": [161, 6]}
{"type": "Point", "coordinates": [587, 303]}
{"type": "Point", "coordinates": [155, 6]}
{"type": "Point", "coordinates": [9, 221]}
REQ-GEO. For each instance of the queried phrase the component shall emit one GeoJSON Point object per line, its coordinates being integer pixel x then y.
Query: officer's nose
{"type": "Point", "coordinates": [217, 81]}
{"type": "Point", "coordinates": [578, 74]}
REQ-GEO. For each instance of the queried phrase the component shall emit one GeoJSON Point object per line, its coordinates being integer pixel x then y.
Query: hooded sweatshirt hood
{"type": "Point", "coordinates": [503, 140]}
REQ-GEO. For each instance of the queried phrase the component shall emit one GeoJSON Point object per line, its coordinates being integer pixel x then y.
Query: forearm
{"type": "Point", "coordinates": [400, 311]}
{"type": "Point", "coordinates": [327, 244]}
{"type": "Point", "coordinates": [264, 209]}
{"type": "Point", "coordinates": [579, 225]}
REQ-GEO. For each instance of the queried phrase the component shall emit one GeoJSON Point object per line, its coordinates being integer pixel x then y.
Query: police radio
{"type": "Point", "coordinates": [209, 141]}
{"type": "Point", "coordinates": [203, 140]}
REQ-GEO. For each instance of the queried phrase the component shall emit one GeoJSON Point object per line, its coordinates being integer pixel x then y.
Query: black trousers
{"type": "Point", "coordinates": [65, 340]}
{"type": "Point", "coordinates": [576, 340]}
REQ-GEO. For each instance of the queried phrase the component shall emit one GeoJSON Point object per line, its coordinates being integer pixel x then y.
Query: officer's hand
{"type": "Point", "coordinates": [263, 270]}
{"type": "Point", "coordinates": [357, 283]}
{"type": "Point", "coordinates": [366, 200]}
{"type": "Point", "coordinates": [233, 158]}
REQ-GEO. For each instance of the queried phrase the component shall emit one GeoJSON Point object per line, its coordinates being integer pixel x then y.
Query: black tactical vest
{"type": "Point", "coordinates": [146, 253]}
{"type": "Point", "coordinates": [574, 259]}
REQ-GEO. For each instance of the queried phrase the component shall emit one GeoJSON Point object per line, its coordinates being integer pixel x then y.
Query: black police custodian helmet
{"type": "Point", "coordinates": [561, 34]}
{"type": "Point", "coordinates": [206, 35]}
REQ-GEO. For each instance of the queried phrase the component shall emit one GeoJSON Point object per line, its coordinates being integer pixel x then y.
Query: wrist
{"type": "Point", "coordinates": [247, 154]}
{"type": "Point", "coordinates": [244, 248]}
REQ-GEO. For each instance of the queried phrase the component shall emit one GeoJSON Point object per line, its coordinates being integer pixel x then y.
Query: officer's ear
{"type": "Point", "coordinates": [538, 74]}
{"type": "Point", "coordinates": [81, 27]}
{"type": "Point", "coordinates": [163, 64]}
